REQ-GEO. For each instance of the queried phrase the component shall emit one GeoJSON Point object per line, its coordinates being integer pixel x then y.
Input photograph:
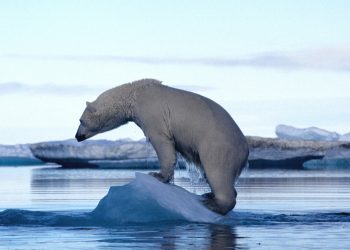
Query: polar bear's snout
{"type": "Point", "coordinates": [81, 135]}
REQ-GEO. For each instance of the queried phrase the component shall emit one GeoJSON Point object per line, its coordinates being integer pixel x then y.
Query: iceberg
{"type": "Point", "coordinates": [17, 155]}
{"type": "Point", "coordinates": [127, 154]}
{"type": "Point", "coordinates": [122, 154]}
{"type": "Point", "coordinates": [298, 154]}
{"type": "Point", "coordinates": [146, 199]}
{"type": "Point", "coordinates": [311, 133]}
{"type": "Point", "coordinates": [334, 158]}
{"type": "Point", "coordinates": [285, 154]}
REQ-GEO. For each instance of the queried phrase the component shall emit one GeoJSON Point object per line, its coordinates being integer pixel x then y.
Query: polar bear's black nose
{"type": "Point", "coordinates": [80, 137]}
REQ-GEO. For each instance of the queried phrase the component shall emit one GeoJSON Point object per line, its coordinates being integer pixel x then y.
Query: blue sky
{"type": "Point", "coordinates": [266, 62]}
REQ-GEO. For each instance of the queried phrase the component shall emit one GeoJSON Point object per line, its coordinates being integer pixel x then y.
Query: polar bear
{"type": "Point", "coordinates": [174, 121]}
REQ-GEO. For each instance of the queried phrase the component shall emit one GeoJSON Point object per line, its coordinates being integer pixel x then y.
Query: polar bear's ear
{"type": "Point", "coordinates": [90, 107]}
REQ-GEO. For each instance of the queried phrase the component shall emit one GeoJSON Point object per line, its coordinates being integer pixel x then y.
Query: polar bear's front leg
{"type": "Point", "coordinates": [166, 153]}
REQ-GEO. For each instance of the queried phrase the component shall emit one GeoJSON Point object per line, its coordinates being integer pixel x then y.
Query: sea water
{"type": "Point", "coordinates": [48, 207]}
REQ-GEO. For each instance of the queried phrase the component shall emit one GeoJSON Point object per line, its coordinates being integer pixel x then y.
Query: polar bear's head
{"type": "Point", "coordinates": [109, 111]}
{"type": "Point", "coordinates": [89, 123]}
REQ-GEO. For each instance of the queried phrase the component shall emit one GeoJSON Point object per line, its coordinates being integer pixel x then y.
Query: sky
{"type": "Point", "coordinates": [265, 62]}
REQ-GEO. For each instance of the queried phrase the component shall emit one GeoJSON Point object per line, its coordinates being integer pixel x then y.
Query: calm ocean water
{"type": "Point", "coordinates": [47, 207]}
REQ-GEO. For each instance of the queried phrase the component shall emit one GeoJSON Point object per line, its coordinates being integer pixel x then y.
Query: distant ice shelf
{"type": "Point", "coordinates": [264, 153]}
{"type": "Point", "coordinates": [293, 149]}
{"type": "Point", "coordinates": [17, 155]}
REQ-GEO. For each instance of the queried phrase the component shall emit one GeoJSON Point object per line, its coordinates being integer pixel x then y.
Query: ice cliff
{"type": "Point", "coordinates": [19, 154]}
{"type": "Point", "coordinates": [297, 154]}
{"type": "Point", "coordinates": [98, 153]}
{"type": "Point", "coordinates": [264, 153]}
{"type": "Point", "coordinates": [294, 148]}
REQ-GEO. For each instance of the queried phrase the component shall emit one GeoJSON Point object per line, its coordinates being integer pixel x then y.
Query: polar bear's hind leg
{"type": "Point", "coordinates": [222, 198]}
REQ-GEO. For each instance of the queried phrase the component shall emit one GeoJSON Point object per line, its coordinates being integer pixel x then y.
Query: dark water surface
{"type": "Point", "coordinates": [49, 208]}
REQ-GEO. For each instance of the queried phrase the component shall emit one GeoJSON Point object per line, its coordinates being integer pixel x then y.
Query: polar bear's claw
{"type": "Point", "coordinates": [159, 177]}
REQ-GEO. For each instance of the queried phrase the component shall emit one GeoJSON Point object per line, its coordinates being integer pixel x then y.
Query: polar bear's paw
{"type": "Point", "coordinates": [211, 203]}
{"type": "Point", "coordinates": [160, 177]}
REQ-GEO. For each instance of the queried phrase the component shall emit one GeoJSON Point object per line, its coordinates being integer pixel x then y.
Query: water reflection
{"type": "Point", "coordinates": [61, 177]}
{"type": "Point", "coordinates": [214, 237]}
{"type": "Point", "coordinates": [167, 237]}
{"type": "Point", "coordinates": [257, 190]}
{"type": "Point", "coordinates": [222, 237]}
{"type": "Point", "coordinates": [64, 189]}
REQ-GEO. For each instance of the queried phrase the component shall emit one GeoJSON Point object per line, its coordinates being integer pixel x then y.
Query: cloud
{"type": "Point", "coordinates": [55, 89]}
{"type": "Point", "coordinates": [334, 58]}
{"type": "Point", "coordinates": [49, 88]}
